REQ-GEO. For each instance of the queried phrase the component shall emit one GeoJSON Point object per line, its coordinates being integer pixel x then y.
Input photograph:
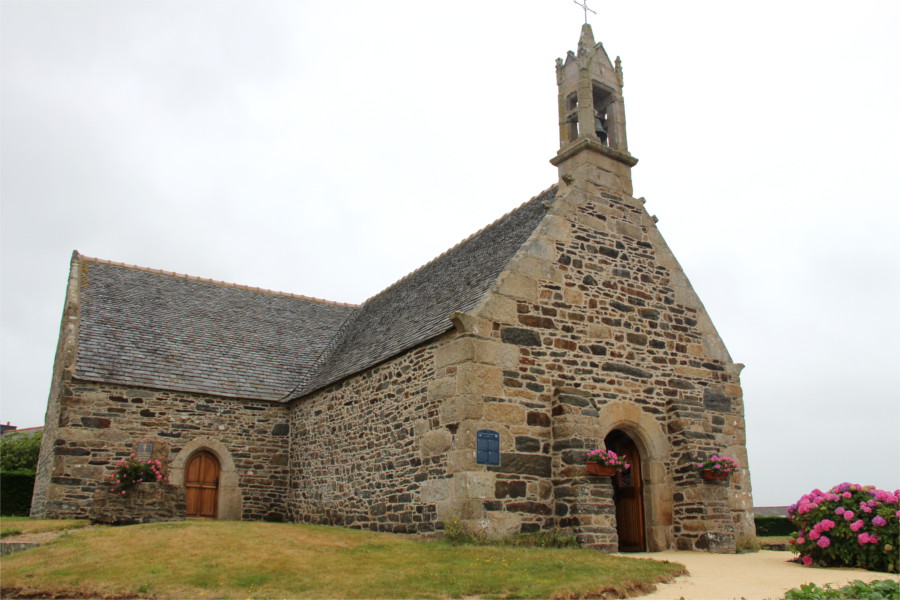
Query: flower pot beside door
{"type": "Point", "coordinates": [598, 469]}
{"type": "Point", "coordinates": [717, 467]}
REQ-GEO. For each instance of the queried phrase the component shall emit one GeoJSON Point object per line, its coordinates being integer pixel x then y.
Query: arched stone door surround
{"type": "Point", "coordinates": [229, 508]}
{"type": "Point", "coordinates": [653, 445]}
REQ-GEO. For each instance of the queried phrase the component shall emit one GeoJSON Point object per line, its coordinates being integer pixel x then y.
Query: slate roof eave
{"type": "Point", "coordinates": [162, 330]}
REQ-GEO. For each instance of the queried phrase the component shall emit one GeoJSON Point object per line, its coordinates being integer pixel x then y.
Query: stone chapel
{"type": "Point", "coordinates": [471, 389]}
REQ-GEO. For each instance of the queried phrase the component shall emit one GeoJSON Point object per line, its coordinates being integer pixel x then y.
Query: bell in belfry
{"type": "Point", "coordinates": [600, 127]}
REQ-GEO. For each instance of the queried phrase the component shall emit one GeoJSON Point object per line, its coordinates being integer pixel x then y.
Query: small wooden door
{"type": "Point", "coordinates": [628, 494]}
{"type": "Point", "coordinates": [201, 482]}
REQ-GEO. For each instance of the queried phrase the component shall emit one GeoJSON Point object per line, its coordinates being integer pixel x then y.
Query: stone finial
{"type": "Point", "coordinates": [586, 43]}
{"type": "Point", "coordinates": [619, 74]}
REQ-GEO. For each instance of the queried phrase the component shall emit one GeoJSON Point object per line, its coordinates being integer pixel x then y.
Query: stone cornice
{"type": "Point", "coordinates": [586, 143]}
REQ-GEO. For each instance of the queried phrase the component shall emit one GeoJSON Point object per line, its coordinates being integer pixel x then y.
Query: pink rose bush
{"type": "Point", "coordinates": [862, 525]}
{"type": "Point", "coordinates": [129, 472]}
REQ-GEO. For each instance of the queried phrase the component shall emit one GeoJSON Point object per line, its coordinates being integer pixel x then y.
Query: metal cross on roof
{"type": "Point", "coordinates": [585, 7]}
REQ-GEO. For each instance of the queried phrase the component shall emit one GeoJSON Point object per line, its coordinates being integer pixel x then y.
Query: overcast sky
{"type": "Point", "coordinates": [329, 148]}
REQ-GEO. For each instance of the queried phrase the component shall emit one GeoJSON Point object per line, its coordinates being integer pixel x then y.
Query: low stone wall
{"type": "Point", "coordinates": [146, 503]}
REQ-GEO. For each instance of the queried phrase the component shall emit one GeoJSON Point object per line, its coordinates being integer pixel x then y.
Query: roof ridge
{"type": "Point", "coordinates": [460, 243]}
{"type": "Point", "coordinates": [238, 286]}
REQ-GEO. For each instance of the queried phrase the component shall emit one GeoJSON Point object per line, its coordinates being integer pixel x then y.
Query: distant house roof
{"type": "Point", "coordinates": [143, 327]}
{"type": "Point", "coordinates": [770, 511]}
{"type": "Point", "coordinates": [8, 430]}
{"type": "Point", "coordinates": [162, 330]}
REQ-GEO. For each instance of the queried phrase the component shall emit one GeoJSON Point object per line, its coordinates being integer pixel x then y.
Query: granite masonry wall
{"type": "Point", "coordinates": [145, 503]}
{"type": "Point", "coordinates": [364, 453]}
{"type": "Point", "coordinates": [611, 336]}
{"type": "Point", "coordinates": [98, 424]}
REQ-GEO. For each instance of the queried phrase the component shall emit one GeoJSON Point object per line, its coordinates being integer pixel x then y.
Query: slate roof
{"type": "Point", "coordinates": [418, 307]}
{"type": "Point", "coordinates": [143, 327]}
{"type": "Point", "coordinates": [163, 330]}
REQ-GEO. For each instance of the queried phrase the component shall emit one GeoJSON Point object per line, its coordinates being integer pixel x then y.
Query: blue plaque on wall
{"type": "Point", "coordinates": [487, 447]}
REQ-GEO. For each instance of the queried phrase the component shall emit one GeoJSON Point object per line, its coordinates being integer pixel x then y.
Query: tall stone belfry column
{"type": "Point", "coordinates": [593, 157]}
{"type": "Point", "coordinates": [648, 361]}
{"type": "Point", "coordinates": [592, 143]}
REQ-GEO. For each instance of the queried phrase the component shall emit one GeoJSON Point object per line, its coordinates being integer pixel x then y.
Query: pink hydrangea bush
{"type": "Point", "coordinates": [850, 525]}
{"type": "Point", "coordinates": [608, 458]}
{"type": "Point", "coordinates": [129, 472]}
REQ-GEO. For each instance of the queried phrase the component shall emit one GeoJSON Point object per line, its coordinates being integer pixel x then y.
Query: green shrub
{"type": "Point", "coordinates": [884, 589]}
{"type": "Point", "coordinates": [745, 545]}
{"type": "Point", "coordinates": [16, 488]}
{"type": "Point", "coordinates": [130, 472]}
{"type": "Point", "coordinates": [774, 526]}
{"type": "Point", "coordinates": [457, 533]}
{"type": "Point", "coordinates": [20, 451]}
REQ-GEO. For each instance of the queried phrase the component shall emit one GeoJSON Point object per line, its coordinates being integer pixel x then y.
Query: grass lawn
{"type": "Point", "coordinates": [18, 525]}
{"type": "Point", "coordinates": [224, 559]}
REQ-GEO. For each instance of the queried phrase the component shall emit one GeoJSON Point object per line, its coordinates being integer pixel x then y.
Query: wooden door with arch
{"type": "Point", "coordinates": [628, 494]}
{"type": "Point", "coordinates": [201, 482]}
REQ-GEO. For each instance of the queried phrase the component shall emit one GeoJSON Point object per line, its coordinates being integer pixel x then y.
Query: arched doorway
{"type": "Point", "coordinates": [201, 482]}
{"type": "Point", "coordinates": [628, 494]}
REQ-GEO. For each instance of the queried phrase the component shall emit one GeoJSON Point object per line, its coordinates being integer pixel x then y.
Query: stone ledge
{"type": "Point", "coordinates": [10, 547]}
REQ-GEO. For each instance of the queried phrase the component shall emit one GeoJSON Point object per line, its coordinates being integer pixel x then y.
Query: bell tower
{"type": "Point", "coordinates": [592, 143]}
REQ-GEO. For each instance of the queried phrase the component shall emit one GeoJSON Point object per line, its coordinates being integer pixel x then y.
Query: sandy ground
{"type": "Point", "coordinates": [756, 576]}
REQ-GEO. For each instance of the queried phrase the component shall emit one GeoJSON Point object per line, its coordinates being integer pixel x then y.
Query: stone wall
{"type": "Point", "coordinates": [146, 503]}
{"type": "Point", "coordinates": [98, 424]}
{"type": "Point", "coordinates": [365, 452]}
{"type": "Point", "coordinates": [602, 315]}
{"type": "Point", "coordinates": [63, 366]}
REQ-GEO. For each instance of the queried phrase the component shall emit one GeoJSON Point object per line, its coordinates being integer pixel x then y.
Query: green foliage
{"type": "Point", "coordinates": [884, 589]}
{"type": "Point", "coordinates": [457, 534]}
{"type": "Point", "coordinates": [774, 526]}
{"type": "Point", "coordinates": [745, 545]}
{"type": "Point", "coordinates": [16, 488]}
{"type": "Point", "coordinates": [543, 539]}
{"type": "Point", "coordinates": [130, 472]}
{"type": "Point", "coordinates": [20, 451]}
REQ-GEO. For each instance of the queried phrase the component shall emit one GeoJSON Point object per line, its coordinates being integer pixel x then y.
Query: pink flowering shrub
{"type": "Point", "coordinates": [850, 525]}
{"type": "Point", "coordinates": [130, 472]}
{"type": "Point", "coordinates": [608, 458]}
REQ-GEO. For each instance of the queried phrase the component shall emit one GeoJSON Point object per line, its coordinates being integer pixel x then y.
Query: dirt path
{"type": "Point", "coordinates": [757, 576]}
